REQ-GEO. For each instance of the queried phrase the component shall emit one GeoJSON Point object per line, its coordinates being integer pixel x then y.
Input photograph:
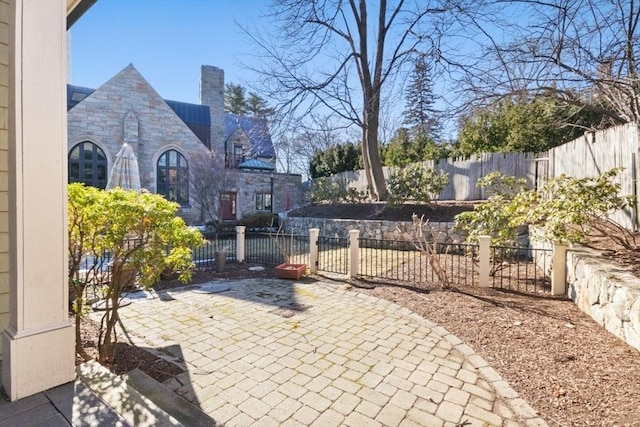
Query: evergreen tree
{"type": "Point", "coordinates": [336, 159]}
{"type": "Point", "coordinates": [258, 107]}
{"type": "Point", "coordinates": [420, 114]}
{"type": "Point", "coordinates": [521, 125]}
{"type": "Point", "coordinates": [234, 99]}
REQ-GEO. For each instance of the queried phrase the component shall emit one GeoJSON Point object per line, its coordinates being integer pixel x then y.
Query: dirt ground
{"type": "Point", "coordinates": [566, 366]}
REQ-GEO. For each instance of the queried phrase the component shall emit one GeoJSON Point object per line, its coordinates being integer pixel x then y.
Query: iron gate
{"type": "Point", "coordinates": [333, 254]}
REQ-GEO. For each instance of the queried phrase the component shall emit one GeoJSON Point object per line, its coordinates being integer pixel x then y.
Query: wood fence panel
{"type": "Point", "coordinates": [597, 152]}
{"type": "Point", "coordinates": [587, 156]}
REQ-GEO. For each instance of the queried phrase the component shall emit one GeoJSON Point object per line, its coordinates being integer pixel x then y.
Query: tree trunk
{"type": "Point", "coordinates": [375, 164]}
{"type": "Point", "coordinates": [79, 349]}
{"type": "Point", "coordinates": [365, 165]}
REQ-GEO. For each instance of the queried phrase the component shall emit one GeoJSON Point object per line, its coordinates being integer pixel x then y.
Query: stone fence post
{"type": "Point", "coordinates": [354, 253]}
{"type": "Point", "coordinates": [559, 269]}
{"type": "Point", "coordinates": [313, 249]}
{"type": "Point", "coordinates": [484, 258]}
{"type": "Point", "coordinates": [240, 230]}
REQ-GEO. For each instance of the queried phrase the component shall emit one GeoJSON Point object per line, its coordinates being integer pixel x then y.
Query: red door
{"type": "Point", "coordinates": [228, 204]}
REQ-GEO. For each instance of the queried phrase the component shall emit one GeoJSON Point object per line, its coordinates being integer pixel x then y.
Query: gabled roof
{"type": "Point", "coordinates": [195, 116]}
{"type": "Point", "coordinates": [198, 118]}
{"type": "Point", "coordinates": [257, 130]}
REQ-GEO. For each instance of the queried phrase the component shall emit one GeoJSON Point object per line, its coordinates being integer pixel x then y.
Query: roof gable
{"type": "Point", "coordinates": [131, 88]}
{"type": "Point", "coordinates": [257, 130]}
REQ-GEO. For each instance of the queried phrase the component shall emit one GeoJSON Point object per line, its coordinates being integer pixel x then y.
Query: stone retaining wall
{"type": "Point", "coordinates": [381, 230]}
{"type": "Point", "coordinates": [609, 294]}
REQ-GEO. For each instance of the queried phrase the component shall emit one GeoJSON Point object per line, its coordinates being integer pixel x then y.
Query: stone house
{"type": "Point", "coordinates": [170, 138]}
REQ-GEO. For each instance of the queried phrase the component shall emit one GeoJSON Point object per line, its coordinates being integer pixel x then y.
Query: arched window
{"type": "Point", "coordinates": [88, 164]}
{"type": "Point", "coordinates": [173, 177]}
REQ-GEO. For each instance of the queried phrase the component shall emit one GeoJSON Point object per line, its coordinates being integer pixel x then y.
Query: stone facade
{"type": "Point", "coordinates": [607, 293]}
{"type": "Point", "coordinates": [212, 94]}
{"type": "Point", "coordinates": [604, 291]}
{"type": "Point", "coordinates": [128, 109]}
{"type": "Point", "coordinates": [285, 188]}
{"type": "Point", "coordinates": [122, 103]}
{"type": "Point", "coordinates": [381, 230]}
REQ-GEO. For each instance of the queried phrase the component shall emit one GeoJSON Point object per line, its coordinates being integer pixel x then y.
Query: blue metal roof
{"type": "Point", "coordinates": [255, 164]}
{"type": "Point", "coordinates": [257, 131]}
{"type": "Point", "coordinates": [196, 117]}
{"type": "Point", "coordinates": [75, 94]}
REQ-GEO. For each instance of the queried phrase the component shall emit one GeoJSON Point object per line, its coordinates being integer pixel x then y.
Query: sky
{"type": "Point", "coordinates": [166, 40]}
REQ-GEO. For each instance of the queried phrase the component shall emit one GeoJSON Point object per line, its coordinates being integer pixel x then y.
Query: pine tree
{"type": "Point", "coordinates": [420, 114]}
{"type": "Point", "coordinates": [234, 99]}
{"type": "Point", "coordinates": [258, 107]}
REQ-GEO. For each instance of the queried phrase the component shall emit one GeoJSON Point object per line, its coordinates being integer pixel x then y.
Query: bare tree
{"type": "Point", "coordinates": [209, 179]}
{"type": "Point", "coordinates": [335, 55]}
{"type": "Point", "coordinates": [295, 145]}
{"type": "Point", "coordinates": [583, 51]}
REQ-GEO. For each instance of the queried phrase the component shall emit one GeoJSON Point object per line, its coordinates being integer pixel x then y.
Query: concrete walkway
{"type": "Point", "coordinates": [277, 353]}
{"type": "Point", "coordinates": [71, 404]}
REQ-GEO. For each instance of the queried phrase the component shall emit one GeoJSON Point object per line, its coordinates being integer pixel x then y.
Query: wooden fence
{"type": "Point", "coordinates": [465, 172]}
{"type": "Point", "coordinates": [598, 152]}
{"type": "Point", "coordinates": [587, 156]}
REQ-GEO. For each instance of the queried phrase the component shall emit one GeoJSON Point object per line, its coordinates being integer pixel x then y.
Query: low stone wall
{"type": "Point", "coordinates": [381, 230]}
{"type": "Point", "coordinates": [609, 294]}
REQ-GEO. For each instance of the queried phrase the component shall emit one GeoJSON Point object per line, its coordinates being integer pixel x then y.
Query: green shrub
{"type": "Point", "coordinates": [334, 190]}
{"type": "Point", "coordinates": [417, 183]}
{"type": "Point", "coordinates": [566, 209]}
{"type": "Point", "coordinates": [495, 217]}
{"type": "Point", "coordinates": [140, 231]}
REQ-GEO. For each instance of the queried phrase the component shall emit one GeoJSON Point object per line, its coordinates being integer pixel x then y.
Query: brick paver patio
{"type": "Point", "coordinates": [278, 353]}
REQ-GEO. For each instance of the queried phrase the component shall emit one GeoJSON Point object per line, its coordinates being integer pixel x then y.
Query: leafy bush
{"type": "Point", "coordinates": [574, 210]}
{"type": "Point", "coordinates": [566, 209]}
{"type": "Point", "coordinates": [496, 183]}
{"type": "Point", "coordinates": [140, 231]}
{"type": "Point", "coordinates": [355, 196]}
{"type": "Point", "coordinates": [334, 190]}
{"type": "Point", "coordinates": [495, 217]}
{"type": "Point", "coordinates": [415, 182]}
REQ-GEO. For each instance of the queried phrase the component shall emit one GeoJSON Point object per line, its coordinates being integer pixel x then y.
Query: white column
{"type": "Point", "coordinates": [354, 253]}
{"type": "Point", "coordinates": [313, 249]}
{"type": "Point", "coordinates": [39, 341]}
{"type": "Point", "coordinates": [240, 236]}
{"type": "Point", "coordinates": [559, 269]}
{"type": "Point", "coordinates": [484, 260]}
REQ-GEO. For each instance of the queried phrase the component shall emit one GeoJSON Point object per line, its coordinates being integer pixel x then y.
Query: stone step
{"type": "Point", "coordinates": [179, 408]}
{"type": "Point", "coordinates": [131, 404]}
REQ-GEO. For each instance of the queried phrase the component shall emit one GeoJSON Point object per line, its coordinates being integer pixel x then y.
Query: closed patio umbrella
{"type": "Point", "coordinates": [125, 173]}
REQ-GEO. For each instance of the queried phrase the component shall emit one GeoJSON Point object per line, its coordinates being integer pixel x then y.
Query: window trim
{"type": "Point", "coordinates": [261, 201]}
{"type": "Point", "coordinates": [96, 150]}
{"type": "Point", "coordinates": [181, 173]}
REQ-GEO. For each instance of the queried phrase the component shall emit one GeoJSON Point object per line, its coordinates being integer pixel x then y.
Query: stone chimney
{"type": "Point", "coordinates": [212, 94]}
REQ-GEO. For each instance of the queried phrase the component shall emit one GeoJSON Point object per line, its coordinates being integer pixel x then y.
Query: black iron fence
{"type": "Point", "coordinates": [513, 268]}
{"type": "Point", "coordinates": [266, 248]}
{"type": "Point", "coordinates": [216, 244]}
{"type": "Point", "coordinates": [333, 254]}
{"type": "Point", "coordinates": [401, 260]}
{"type": "Point", "coordinates": [521, 269]}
